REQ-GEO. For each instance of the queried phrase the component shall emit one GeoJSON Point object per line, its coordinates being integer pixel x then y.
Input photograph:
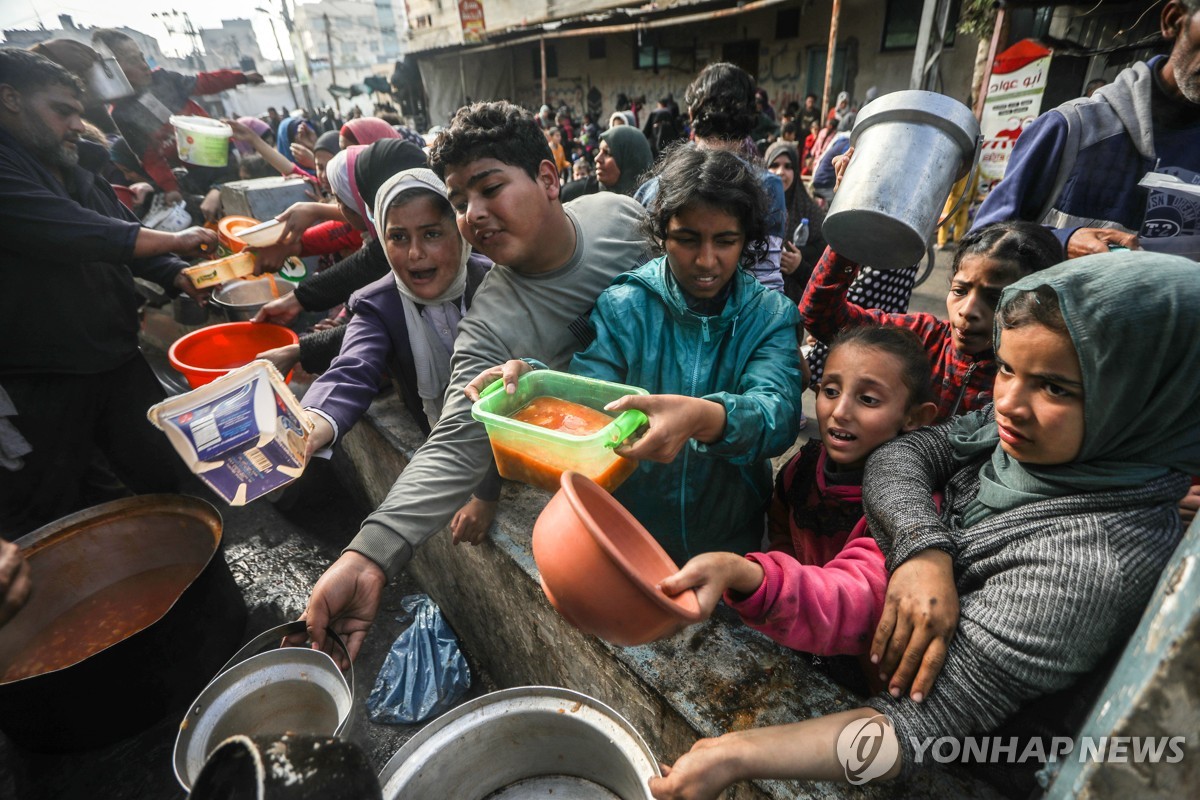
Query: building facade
{"type": "Point", "coordinates": [595, 53]}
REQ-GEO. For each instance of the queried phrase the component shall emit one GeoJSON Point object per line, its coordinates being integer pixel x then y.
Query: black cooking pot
{"type": "Point", "coordinates": [147, 672]}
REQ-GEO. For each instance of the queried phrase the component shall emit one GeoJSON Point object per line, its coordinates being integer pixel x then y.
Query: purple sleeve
{"type": "Point", "coordinates": [827, 610]}
{"type": "Point", "coordinates": [346, 390]}
{"type": "Point", "coordinates": [1030, 176]}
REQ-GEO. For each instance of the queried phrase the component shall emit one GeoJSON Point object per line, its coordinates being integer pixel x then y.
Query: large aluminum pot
{"type": "Point", "coordinates": [107, 80]}
{"type": "Point", "coordinates": [909, 149]}
{"type": "Point", "coordinates": [283, 690]}
{"type": "Point", "coordinates": [107, 562]}
{"type": "Point", "coordinates": [239, 300]}
{"type": "Point", "coordinates": [533, 741]}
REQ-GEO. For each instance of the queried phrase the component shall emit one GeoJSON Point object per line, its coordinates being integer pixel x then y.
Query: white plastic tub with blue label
{"type": "Point", "coordinates": [244, 434]}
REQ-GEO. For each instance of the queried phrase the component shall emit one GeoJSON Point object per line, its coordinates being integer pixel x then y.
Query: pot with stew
{"type": "Point", "coordinates": [133, 610]}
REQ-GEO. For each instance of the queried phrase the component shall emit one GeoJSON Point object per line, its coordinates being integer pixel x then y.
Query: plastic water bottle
{"type": "Point", "coordinates": [800, 237]}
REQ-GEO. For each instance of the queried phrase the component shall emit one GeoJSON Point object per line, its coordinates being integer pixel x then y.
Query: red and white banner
{"type": "Point", "coordinates": [1013, 100]}
{"type": "Point", "coordinates": [470, 12]}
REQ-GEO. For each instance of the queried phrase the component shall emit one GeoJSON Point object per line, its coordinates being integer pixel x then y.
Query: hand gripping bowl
{"type": "Point", "coordinates": [294, 690]}
{"type": "Point", "coordinates": [538, 456]}
{"type": "Point", "coordinates": [229, 231]}
{"type": "Point", "coordinates": [600, 568]}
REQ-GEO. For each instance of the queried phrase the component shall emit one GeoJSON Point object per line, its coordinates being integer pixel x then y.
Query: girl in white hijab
{"type": "Point", "coordinates": [405, 324]}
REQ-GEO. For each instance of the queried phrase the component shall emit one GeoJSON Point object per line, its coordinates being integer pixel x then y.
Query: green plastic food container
{"type": "Point", "coordinates": [538, 456]}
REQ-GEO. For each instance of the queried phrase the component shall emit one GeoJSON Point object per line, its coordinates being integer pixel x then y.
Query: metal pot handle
{"type": "Point", "coordinates": [971, 174]}
{"type": "Point", "coordinates": [256, 644]}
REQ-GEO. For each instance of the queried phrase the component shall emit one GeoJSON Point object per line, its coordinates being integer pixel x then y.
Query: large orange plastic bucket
{"type": "Point", "coordinates": [205, 355]}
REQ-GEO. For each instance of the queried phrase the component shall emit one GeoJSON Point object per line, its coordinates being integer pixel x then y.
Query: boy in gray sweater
{"type": "Point", "coordinates": [552, 262]}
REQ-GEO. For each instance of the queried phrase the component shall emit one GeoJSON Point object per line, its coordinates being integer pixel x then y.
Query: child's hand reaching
{"type": "Point", "coordinates": [510, 371]}
{"type": "Point", "coordinates": [710, 574]}
{"type": "Point", "coordinates": [674, 419]}
{"type": "Point", "coordinates": [920, 616]}
{"type": "Point", "coordinates": [839, 167]}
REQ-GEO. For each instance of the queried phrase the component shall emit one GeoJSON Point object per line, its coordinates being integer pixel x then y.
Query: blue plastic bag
{"type": "Point", "coordinates": [424, 673]}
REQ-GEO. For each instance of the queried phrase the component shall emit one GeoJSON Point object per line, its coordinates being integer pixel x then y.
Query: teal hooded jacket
{"type": "Point", "coordinates": [712, 496]}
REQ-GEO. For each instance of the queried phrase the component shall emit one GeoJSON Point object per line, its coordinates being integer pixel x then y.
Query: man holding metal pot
{"type": "Point", "coordinates": [68, 255]}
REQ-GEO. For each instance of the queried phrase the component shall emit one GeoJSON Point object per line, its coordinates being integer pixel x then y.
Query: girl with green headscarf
{"type": "Point", "coordinates": [1056, 512]}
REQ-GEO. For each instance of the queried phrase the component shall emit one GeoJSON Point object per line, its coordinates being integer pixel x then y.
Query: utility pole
{"type": "Point", "coordinates": [291, 27]}
{"type": "Point", "coordinates": [829, 58]}
{"type": "Point", "coordinates": [188, 30]}
{"type": "Point", "coordinates": [287, 73]}
{"type": "Point", "coordinates": [332, 69]}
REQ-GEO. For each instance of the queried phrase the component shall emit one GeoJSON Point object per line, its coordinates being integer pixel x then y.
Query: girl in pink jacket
{"type": "Point", "coordinates": [820, 587]}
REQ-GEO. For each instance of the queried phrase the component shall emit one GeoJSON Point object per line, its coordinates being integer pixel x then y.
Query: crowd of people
{"type": "Point", "coordinates": [991, 495]}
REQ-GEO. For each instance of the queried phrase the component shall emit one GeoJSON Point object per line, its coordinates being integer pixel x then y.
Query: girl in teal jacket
{"type": "Point", "coordinates": [716, 349]}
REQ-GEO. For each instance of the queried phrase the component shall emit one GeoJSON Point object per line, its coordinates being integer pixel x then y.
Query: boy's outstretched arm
{"type": "Point", "coordinates": [803, 750]}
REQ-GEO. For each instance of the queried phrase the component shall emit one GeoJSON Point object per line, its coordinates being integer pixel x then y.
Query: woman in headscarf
{"type": "Point", "coordinates": [294, 130]}
{"type": "Point", "coordinates": [1058, 515]}
{"type": "Point", "coordinates": [404, 324]}
{"type": "Point", "coordinates": [366, 130]}
{"type": "Point", "coordinates": [248, 137]}
{"type": "Point", "coordinates": [623, 156]}
{"type": "Point", "coordinates": [796, 262]}
{"type": "Point", "coordinates": [355, 175]}
{"type": "Point", "coordinates": [328, 145]}
{"type": "Point", "coordinates": [258, 126]}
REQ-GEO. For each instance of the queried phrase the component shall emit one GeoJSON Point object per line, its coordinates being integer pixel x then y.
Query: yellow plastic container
{"type": "Point", "coordinates": [214, 273]}
{"type": "Point", "coordinates": [538, 456]}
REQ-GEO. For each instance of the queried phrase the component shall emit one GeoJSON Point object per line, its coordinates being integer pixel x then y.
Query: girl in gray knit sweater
{"type": "Point", "coordinates": [1059, 514]}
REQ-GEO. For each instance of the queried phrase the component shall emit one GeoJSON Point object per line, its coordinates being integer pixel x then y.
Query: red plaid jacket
{"type": "Point", "coordinates": [961, 383]}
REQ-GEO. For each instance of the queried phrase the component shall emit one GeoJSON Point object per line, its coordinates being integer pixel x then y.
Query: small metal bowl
{"type": "Point", "coordinates": [239, 300]}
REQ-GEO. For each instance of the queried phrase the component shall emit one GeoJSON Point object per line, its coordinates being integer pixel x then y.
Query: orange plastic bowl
{"type": "Point", "coordinates": [228, 228]}
{"type": "Point", "coordinates": [205, 355]}
{"type": "Point", "coordinates": [600, 568]}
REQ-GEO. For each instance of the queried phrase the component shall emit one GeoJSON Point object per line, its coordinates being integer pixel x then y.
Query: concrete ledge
{"type": "Point", "coordinates": [712, 678]}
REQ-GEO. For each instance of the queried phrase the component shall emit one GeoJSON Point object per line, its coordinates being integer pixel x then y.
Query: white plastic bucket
{"type": "Point", "coordinates": [202, 141]}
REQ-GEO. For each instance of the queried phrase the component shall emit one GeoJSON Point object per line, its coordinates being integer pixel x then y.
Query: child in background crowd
{"type": "Point", "coordinates": [716, 349]}
{"type": "Point", "coordinates": [960, 347]}
{"type": "Point", "coordinates": [1053, 533]}
{"type": "Point", "coordinates": [820, 587]}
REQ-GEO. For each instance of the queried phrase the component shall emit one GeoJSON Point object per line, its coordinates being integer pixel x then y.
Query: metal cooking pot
{"type": "Point", "coordinates": [286, 767]}
{"type": "Point", "coordinates": [284, 690]}
{"type": "Point", "coordinates": [148, 673]}
{"type": "Point", "coordinates": [107, 80]}
{"type": "Point", "coordinates": [532, 741]}
{"type": "Point", "coordinates": [239, 300]}
{"type": "Point", "coordinates": [909, 149]}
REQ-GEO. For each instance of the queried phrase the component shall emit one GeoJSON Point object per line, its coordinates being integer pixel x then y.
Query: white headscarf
{"type": "Point", "coordinates": [419, 178]}
{"type": "Point", "coordinates": [431, 358]}
{"type": "Point", "coordinates": [338, 173]}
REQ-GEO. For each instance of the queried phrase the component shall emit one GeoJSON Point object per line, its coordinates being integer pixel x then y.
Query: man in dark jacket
{"type": "Point", "coordinates": [1076, 169]}
{"type": "Point", "coordinates": [69, 358]}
